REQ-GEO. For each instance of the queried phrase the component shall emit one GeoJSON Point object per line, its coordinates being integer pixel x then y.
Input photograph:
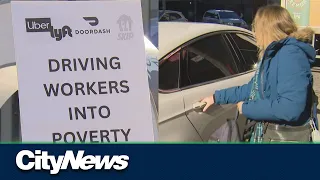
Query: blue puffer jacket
{"type": "Point", "coordinates": [285, 85]}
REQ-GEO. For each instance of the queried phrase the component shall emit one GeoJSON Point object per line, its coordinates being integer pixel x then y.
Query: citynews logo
{"type": "Point", "coordinates": [40, 160]}
{"type": "Point", "coordinates": [44, 25]}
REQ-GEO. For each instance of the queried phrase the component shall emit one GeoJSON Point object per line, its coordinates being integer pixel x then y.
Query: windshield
{"type": "Point", "coordinates": [161, 13]}
{"type": "Point", "coordinates": [228, 15]}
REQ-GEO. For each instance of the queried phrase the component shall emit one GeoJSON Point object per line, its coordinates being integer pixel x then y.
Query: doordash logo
{"type": "Point", "coordinates": [40, 160]}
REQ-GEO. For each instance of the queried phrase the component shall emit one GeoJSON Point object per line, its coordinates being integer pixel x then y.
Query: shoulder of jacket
{"type": "Point", "coordinates": [290, 48]}
{"type": "Point", "coordinates": [291, 55]}
{"type": "Point", "coordinates": [290, 52]}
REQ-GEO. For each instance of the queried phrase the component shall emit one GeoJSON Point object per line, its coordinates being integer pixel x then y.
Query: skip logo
{"type": "Point", "coordinates": [40, 160]}
{"type": "Point", "coordinates": [34, 25]}
{"type": "Point", "coordinates": [125, 27]}
{"type": "Point", "coordinates": [44, 25]}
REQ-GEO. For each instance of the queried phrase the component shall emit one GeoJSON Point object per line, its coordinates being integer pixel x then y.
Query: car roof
{"type": "Point", "coordinates": [174, 34]}
{"type": "Point", "coordinates": [218, 10]}
{"type": "Point", "coordinates": [169, 11]}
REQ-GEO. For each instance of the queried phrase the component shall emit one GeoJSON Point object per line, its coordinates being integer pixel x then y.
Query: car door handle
{"type": "Point", "coordinates": [199, 105]}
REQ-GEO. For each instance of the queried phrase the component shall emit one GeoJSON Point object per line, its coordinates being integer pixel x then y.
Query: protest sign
{"type": "Point", "coordinates": [82, 71]}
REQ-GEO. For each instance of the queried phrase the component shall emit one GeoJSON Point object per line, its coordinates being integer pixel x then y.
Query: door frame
{"type": "Point", "coordinates": [236, 47]}
{"type": "Point", "coordinates": [193, 40]}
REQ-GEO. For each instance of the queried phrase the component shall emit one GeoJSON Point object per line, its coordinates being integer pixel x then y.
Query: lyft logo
{"type": "Point", "coordinates": [44, 25]}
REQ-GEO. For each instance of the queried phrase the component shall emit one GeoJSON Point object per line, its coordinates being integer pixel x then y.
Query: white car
{"type": "Point", "coordinates": [195, 59]}
{"type": "Point", "coordinates": [169, 15]}
{"type": "Point", "coordinates": [9, 104]}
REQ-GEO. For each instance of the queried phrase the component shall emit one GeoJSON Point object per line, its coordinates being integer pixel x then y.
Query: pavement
{"type": "Point", "coordinates": [316, 86]}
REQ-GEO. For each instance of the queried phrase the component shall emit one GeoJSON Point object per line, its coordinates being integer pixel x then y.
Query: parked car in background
{"type": "Point", "coordinates": [169, 15]}
{"type": "Point", "coordinates": [192, 65]}
{"type": "Point", "coordinates": [226, 17]}
{"type": "Point", "coordinates": [9, 100]}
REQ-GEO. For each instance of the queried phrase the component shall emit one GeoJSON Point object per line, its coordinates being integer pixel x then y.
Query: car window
{"type": "Point", "coordinates": [165, 17]}
{"type": "Point", "coordinates": [248, 49]}
{"type": "Point", "coordinates": [169, 72]}
{"type": "Point", "coordinates": [215, 16]}
{"type": "Point", "coordinates": [212, 15]}
{"type": "Point", "coordinates": [174, 16]}
{"type": "Point", "coordinates": [161, 12]}
{"type": "Point", "coordinates": [208, 59]}
{"type": "Point", "coordinates": [228, 15]}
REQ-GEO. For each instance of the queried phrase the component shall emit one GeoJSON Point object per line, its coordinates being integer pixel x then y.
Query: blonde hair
{"type": "Point", "coordinates": [273, 23]}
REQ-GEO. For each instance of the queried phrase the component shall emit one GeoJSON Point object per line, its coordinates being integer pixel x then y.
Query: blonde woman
{"type": "Point", "coordinates": [279, 96]}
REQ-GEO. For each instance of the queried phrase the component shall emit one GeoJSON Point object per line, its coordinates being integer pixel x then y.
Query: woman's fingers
{"type": "Point", "coordinates": [239, 105]}
{"type": "Point", "coordinates": [205, 100]}
{"type": "Point", "coordinates": [206, 107]}
{"type": "Point", "coordinates": [208, 101]}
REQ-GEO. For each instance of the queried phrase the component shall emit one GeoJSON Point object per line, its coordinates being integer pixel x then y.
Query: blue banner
{"type": "Point", "coordinates": [160, 161]}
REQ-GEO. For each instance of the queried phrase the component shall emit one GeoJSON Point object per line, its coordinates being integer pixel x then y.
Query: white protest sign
{"type": "Point", "coordinates": [82, 71]}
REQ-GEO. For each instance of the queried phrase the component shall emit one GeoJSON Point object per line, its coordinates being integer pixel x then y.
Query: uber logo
{"type": "Point", "coordinates": [38, 24]}
{"type": "Point", "coordinates": [44, 25]}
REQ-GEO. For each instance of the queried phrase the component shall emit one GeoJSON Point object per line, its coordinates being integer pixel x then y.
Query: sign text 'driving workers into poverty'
{"type": "Point", "coordinates": [82, 76]}
{"type": "Point", "coordinates": [86, 89]}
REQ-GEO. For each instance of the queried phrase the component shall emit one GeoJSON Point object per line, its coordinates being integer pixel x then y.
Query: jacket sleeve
{"type": "Point", "coordinates": [233, 95]}
{"type": "Point", "coordinates": [292, 88]}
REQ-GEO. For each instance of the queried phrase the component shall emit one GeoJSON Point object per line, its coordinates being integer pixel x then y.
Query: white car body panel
{"type": "Point", "coordinates": [9, 83]}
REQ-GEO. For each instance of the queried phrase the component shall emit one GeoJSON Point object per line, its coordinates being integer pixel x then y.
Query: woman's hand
{"type": "Point", "coordinates": [209, 101]}
{"type": "Point", "coordinates": [239, 105]}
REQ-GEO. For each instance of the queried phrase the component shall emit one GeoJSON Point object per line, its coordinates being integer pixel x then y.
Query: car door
{"type": "Point", "coordinates": [244, 44]}
{"type": "Point", "coordinates": [173, 123]}
{"type": "Point", "coordinates": [210, 65]}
